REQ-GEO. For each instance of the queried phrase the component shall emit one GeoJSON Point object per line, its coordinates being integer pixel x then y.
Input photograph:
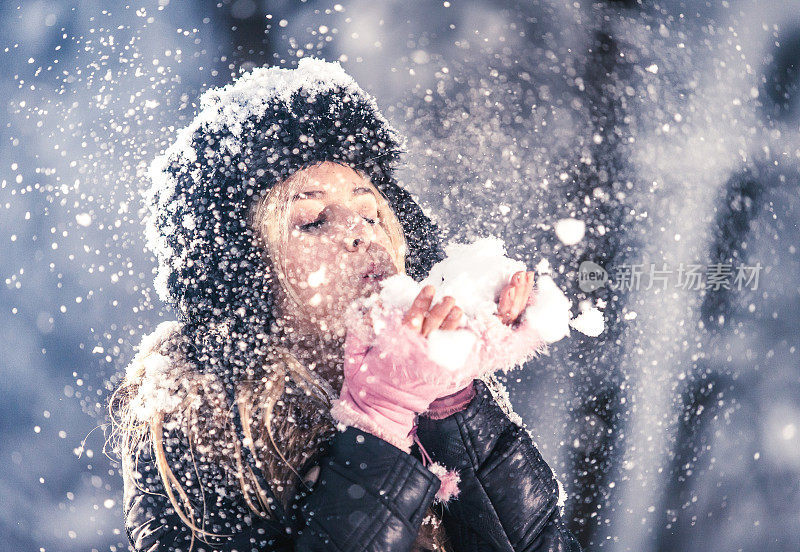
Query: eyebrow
{"type": "Point", "coordinates": [361, 190]}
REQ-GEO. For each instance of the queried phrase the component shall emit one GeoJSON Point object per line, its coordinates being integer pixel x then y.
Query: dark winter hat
{"type": "Point", "coordinates": [248, 136]}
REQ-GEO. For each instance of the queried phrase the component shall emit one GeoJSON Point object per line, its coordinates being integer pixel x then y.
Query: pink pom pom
{"type": "Point", "coordinates": [450, 480]}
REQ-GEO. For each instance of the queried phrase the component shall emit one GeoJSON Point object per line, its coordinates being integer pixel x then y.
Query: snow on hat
{"type": "Point", "coordinates": [247, 136]}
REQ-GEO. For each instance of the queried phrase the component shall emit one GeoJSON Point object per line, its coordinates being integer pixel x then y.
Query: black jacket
{"type": "Point", "coordinates": [372, 496]}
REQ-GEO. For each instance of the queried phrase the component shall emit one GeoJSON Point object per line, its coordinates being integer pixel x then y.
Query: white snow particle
{"type": "Point", "coordinates": [590, 322]}
{"type": "Point", "coordinates": [570, 231]}
{"type": "Point", "coordinates": [543, 267]}
{"type": "Point", "coordinates": [83, 219]}
{"type": "Point", "coordinates": [317, 278]}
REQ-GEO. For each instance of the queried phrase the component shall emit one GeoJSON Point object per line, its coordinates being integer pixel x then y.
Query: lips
{"type": "Point", "coordinates": [374, 272]}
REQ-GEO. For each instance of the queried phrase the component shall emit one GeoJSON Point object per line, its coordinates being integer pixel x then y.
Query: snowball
{"type": "Point", "coordinates": [570, 231]}
{"type": "Point", "coordinates": [450, 349]}
{"type": "Point", "coordinates": [473, 274]}
{"type": "Point", "coordinates": [550, 315]}
{"type": "Point", "coordinates": [590, 322]}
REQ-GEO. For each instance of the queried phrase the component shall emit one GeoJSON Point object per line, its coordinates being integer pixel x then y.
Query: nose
{"type": "Point", "coordinates": [351, 228]}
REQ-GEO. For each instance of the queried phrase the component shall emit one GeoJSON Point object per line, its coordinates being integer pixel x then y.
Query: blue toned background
{"type": "Point", "coordinates": [670, 130]}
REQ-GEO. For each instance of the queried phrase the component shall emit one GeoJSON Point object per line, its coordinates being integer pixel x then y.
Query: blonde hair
{"type": "Point", "coordinates": [285, 416]}
{"type": "Point", "coordinates": [203, 415]}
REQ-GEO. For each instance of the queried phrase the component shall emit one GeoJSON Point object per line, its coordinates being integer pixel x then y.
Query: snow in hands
{"type": "Point", "coordinates": [474, 275]}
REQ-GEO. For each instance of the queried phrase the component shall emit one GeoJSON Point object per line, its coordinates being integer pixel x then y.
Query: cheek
{"type": "Point", "coordinates": [306, 256]}
{"type": "Point", "coordinates": [314, 272]}
{"type": "Point", "coordinates": [382, 239]}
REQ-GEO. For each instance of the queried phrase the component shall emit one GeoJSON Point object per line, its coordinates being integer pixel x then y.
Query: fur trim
{"type": "Point", "coordinates": [162, 378]}
{"type": "Point", "coordinates": [276, 121]}
{"type": "Point", "coordinates": [503, 348]}
{"type": "Point", "coordinates": [500, 395]}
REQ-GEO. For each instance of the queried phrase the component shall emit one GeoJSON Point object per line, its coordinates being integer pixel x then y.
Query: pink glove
{"type": "Point", "coordinates": [389, 379]}
{"type": "Point", "coordinates": [500, 347]}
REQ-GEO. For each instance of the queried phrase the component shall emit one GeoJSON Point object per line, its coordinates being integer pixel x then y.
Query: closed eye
{"type": "Point", "coordinates": [317, 223]}
{"type": "Point", "coordinates": [312, 225]}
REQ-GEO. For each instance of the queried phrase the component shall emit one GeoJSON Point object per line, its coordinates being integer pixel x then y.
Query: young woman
{"type": "Point", "coordinates": [258, 421]}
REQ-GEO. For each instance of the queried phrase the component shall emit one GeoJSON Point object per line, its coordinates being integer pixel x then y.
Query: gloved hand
{"type": "Point", "coordinates": [512, 337]}
{"type": "Point", "coordinates": [388, 375]}
{"type": "Point", "coordinates": [509, 340]}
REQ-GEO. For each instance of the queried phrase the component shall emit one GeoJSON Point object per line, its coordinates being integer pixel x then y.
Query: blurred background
{"type": "Point", "coordinates": [659, 135]}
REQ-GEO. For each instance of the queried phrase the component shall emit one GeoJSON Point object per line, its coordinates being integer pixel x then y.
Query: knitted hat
{"type": "Point", "coordinates": [248, 136]}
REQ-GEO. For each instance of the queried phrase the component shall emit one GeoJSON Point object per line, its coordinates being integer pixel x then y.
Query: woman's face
{"type": "Point", "coordinates": [337, 251]}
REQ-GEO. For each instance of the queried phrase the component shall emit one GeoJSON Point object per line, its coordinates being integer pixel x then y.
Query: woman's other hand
{"type": "Point", "coordinates": [514, 297]}
{"type": "Point", "coordinates": [513, 300]}
{"type": "Point", "coordinates": [420, 317]}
